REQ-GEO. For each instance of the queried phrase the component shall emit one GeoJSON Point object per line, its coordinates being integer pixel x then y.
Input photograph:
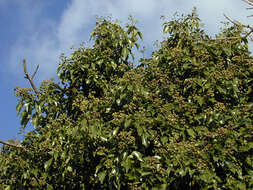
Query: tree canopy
{"type": "Point", "coordinates": [181, 119]}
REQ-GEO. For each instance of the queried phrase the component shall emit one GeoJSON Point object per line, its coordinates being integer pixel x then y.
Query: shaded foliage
{"type": "Point", "coordinates": [179, 120]}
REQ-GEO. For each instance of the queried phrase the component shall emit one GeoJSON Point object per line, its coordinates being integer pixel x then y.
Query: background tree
{"type": "Point", "coordinates": [180, 119]}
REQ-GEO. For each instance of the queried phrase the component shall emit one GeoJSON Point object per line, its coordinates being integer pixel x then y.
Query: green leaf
{"type": "Point", "coordinates": [18, 107]}
{"type": "Point", "coordinates": [101, 176]}
{"type": "Point", "coordinates": [124, 53]}
{"type": "Point", "coordinates": [26, 106]}
{"type": "Point", "coordinates": [144, 140]}
{"type": "Point", "coordinates": [35, 172]}
{"type": "Point", "coordinates": [246, 147]}
{"type": "Point", "coordinates": [128, 123]}
{"type": "Point", "coordinates": [200, 100]}
{"type": "Point", "coordinates": [56, 155]}
{"type": "Point", "coordinates": [48, 163]}
{"type": "Point", "coordinates": [49, 187]}
{"type": "Point", "coordinates": [114, 65]}
{"type": "Point", "coordinates": [8, 187]}
{"type": "Point", "coordinates": [93, 130]}
{"type": "Point", "coordinates": [38, 108]}
{"type": "Point", "coordinates": [24, 118]}
{"type": "Point", "coordinates": [138, 155]}
{"type": "Point", "coordinates": [115, 131]}
{"type": "Point", "coordinates": [108, 110]}
{"type": "Point", "coordinates": [221, 90]}
{"type": "Point", "coordinates": [84, 123]}
{"type": "Point", "coordinates": [139, 130]}
{"type": "Point", "coordinates": [139, 34]}
{"type": "Point", "coordinates": [241, 185]}
{"type": "Point", "coordinates": [118, 102]}
{"type": "Point", "coordinates": [143, 173]}
{"type": "Point", "coordinates": [75, 131]}
{"type": "Point", "coordinates": [69, 168]}
{"type": "Point", "coordinates": [127, 164]}
{"type": "Point", "coordinates": [164, 139]}
{"type": "Point", "coordinates": [35, 121]}
{"type": "Point", "coordinates": [191, 132]}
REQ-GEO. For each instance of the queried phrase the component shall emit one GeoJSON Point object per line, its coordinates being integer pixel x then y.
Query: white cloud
{"type": "Point", "coordinates": [49, 38]}
{"type": "Point", "coordinates": [73, 21]}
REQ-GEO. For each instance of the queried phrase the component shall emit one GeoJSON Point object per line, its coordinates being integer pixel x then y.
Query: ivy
{"type": "Point", "coordinates": [182, 119]}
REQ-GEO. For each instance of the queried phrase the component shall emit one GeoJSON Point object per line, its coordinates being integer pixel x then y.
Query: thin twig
{"type": "Point", "coordinates": [35, 71]}
{"type": "Point", "coordinates": [30, 78]}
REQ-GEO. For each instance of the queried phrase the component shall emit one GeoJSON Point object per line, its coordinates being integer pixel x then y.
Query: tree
{"type": "Point", "coordinates": [180, 119]}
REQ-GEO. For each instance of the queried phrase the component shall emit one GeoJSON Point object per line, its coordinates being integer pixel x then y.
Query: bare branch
{"type": "Point", "coordinates": [30, 78]}
{"type": "Point", "coordinates": [12, 145]}
{"type": "Point", "coordinates": [232, 21]}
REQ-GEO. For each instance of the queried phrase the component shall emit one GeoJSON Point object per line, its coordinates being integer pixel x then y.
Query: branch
{"type": "Point", "coordinates": [232, 21]}
{"type": "Point", "coordinates": [225, 38]}
{"type": "Point", "coordinates": [12, 145]}
{"type": "Point", "coordinates": [31, 78]}
{"type": "Point", "coordinates": [240, 24]}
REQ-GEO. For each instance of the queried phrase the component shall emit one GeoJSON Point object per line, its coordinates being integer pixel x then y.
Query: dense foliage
{"type": "Point", "coordinates": [181, 119]}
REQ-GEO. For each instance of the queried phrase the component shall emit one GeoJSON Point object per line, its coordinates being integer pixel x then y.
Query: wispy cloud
{"type": "Point", "coordinates": [45, 41]}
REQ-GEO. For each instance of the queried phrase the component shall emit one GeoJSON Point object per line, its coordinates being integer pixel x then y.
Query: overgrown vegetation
{"type": "Point", "coordinates": [181, 119]}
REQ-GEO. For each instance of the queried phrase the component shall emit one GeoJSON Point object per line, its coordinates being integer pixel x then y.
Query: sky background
{"type": "Point", "coordinates": [41, 30]}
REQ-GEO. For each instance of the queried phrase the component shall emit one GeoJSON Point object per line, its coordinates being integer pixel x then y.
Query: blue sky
{"type": "Point", "coordinates": [41, 30]}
